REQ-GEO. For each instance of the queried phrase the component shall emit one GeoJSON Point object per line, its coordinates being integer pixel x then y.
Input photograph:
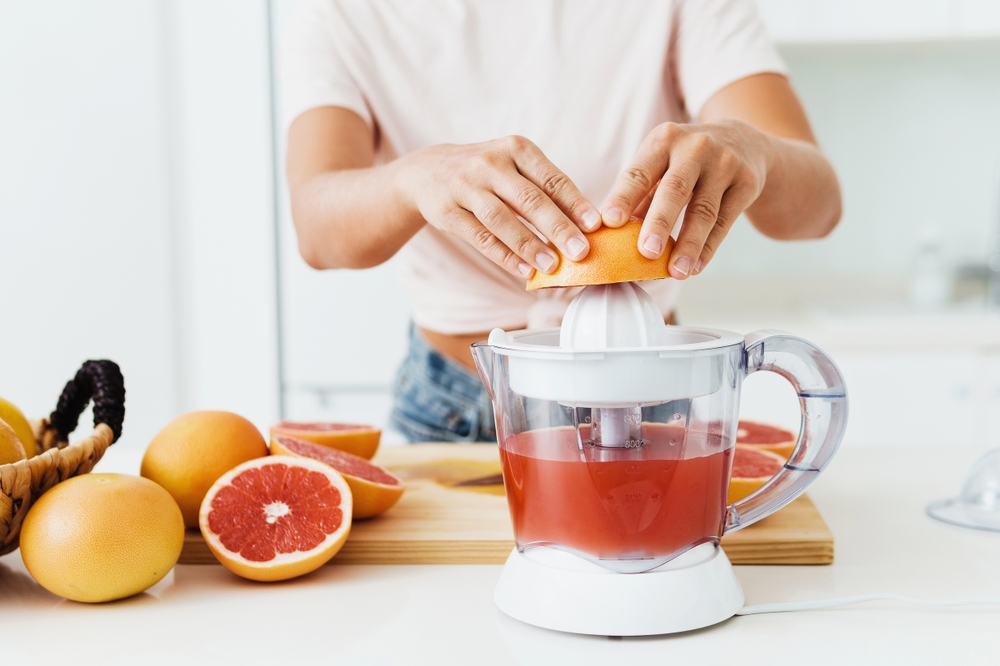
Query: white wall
{"type": "Point", "coordinates": [85, 205]}
{"type": "Point", "coordinates": [913, 130]}
{"type": "Point", "coordinates": [136, 217]}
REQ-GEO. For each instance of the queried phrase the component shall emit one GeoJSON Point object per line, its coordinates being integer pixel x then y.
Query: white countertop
{"type": "Point", "coordinates": [873, 500]}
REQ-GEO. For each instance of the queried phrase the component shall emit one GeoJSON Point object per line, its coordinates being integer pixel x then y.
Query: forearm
{"type": "Point", "coordinates": [352, 218]}
{"type": "Point", "coordinates": [801, 195]}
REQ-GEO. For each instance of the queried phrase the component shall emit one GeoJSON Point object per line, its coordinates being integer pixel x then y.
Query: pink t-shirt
{"type": "Point", "coordinates": [585, 80]}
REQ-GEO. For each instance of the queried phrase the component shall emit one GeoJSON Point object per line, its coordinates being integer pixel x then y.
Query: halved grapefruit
{"type": "Point", "coordinates": [766, 437]}
{"type": "Point", "coordinates": [613, 257]}
{"type": "Point", "coordinates": [360, 440]}
{"type": "Point", "coordinates": [374, 489]}
{"type": "Point", "coordinates": [752, 468]}
{"type": "Point", "coordinates": [277, 517]}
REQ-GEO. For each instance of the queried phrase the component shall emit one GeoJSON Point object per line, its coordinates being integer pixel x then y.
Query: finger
{"type": "Point", "coordinates": [643, 207]}
{"type": "Point", "coordinates": [638, 180]}
{"type": "Point", "coordinates": [672, 194]}
{"type": "Point", "coordinates": [494, 214]}
{"type": "Point", "coordinates": [535, 166]}
{"type": "Point", "coordinates": [531, 203]}
{"type": "Point", "coordinates": [734, 202]}
{"type": "Point", "coordinates": [470, 229]}
{"type": "Point", "coordinates": [700, 219]}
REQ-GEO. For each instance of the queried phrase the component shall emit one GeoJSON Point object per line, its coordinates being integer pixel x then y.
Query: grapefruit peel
{"type": "Point", "coordinates": [614, 257]}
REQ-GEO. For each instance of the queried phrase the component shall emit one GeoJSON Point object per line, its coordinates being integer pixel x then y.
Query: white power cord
{"type": "Point", "coordinates": [819, 604]}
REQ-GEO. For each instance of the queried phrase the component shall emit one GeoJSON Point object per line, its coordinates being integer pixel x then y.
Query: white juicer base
{"type": "Point", "coordinates": [583, 598]}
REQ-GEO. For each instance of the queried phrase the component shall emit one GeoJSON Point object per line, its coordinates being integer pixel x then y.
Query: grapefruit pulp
{"type": "Point", "coordinates": [360, 440]}
{"type": "Point", "coordinates": [373, 488]}
{"type": "Point", "coordinates": [276, 518]}
{"type": "Point", "coordinates": [766, 437]}
{"type": "Point", "coordinates": [752, 468]}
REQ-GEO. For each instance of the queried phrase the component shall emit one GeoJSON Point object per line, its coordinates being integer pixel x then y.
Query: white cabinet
{"type": "Point", "coordinates": [804, 21]}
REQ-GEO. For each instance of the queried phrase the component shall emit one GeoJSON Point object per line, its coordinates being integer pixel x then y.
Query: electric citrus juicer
{"type": "Point", "coordinates": [616, 436]}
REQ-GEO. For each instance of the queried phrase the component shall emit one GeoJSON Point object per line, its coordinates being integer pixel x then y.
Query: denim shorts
{"type": "Point", "coordinates": [436, 399]}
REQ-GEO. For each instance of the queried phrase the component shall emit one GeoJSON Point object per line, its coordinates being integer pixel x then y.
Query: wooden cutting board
{"type": "Point", "coordinates": [437, 522]}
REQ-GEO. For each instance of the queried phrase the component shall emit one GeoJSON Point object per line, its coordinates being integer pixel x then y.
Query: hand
{"type": "Point", "coordinates": [717, 170]}
{"type": "Point", "coordinates": [476, 192]}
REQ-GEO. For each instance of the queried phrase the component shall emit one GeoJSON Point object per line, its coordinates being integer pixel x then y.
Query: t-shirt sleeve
{"type": "Point", "coordinates": [719, 42]}
{"type": "Point", "coordinates": [313, 73]}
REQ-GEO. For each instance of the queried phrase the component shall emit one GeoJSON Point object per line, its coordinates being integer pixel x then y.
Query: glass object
{"type": "Point", "coordinates": [622, 456]}
{"type": "Point", "coordinates": [977, 505]}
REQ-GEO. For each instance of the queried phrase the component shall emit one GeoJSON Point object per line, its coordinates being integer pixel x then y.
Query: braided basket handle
{"type": "Point", "coordinates": [100, 381]}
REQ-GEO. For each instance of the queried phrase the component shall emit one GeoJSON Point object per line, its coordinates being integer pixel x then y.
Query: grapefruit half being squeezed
{"type": "Point", "coordinates": [360, 440]}
{"type": "Point", "coordinates": [277, 517]}
{"type": "Point", "coordinates": [613, 257]}
{"type": "Point", "coordinates": [766, 437]}
{"type": "Point", "coordinates": [752, 468]}
{"type": "Point", "coordinates": [373, 488]}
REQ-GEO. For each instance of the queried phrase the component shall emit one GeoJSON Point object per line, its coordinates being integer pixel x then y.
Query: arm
{"type": "Point", "coordinates": [351, 214]}
{"type": "Point", "coordinates": [752, 152]}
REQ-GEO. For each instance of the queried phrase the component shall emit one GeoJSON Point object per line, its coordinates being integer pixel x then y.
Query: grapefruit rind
{"type": "Point", "coordinates": [283, 565]}
{"type": "Point", "coordinates": [356, 439]}
{"type": "Point", "coordinates": [370, 497]}
{"type": "Point", "coordinates": [740, 486]}
{"type": "Point", "coordinates": [614, 257]}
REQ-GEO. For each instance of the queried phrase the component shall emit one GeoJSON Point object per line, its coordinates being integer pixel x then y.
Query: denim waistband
{"type": "Point", "coordinates": [443, 371]}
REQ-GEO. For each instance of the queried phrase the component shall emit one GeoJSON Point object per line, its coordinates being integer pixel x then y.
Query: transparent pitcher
{"type": "Point", "coordinates": [622, 456]}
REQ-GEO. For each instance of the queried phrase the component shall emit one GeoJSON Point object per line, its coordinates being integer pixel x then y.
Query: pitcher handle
{"type": "Point", "coordinates": [823, 400]}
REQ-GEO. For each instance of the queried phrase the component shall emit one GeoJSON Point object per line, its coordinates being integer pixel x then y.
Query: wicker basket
{"type": "Point", "coordinates": [56, 460]}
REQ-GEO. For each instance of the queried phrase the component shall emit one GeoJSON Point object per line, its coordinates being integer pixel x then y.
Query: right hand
{"type": "Point", "coordinates": [477, 191]}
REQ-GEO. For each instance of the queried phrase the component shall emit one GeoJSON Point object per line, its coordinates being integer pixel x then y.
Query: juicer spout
{"type": "Point", "coordinates": [484, 357]}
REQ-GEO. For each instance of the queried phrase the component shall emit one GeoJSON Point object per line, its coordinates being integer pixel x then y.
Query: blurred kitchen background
{"type": "Point", "coordinates": [143, 218]}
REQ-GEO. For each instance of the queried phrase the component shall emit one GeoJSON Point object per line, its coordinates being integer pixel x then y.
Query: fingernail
{"type": "Point", "coordinates": [576, 247]}
{"type": "Point", "coordinates": [525, 269]}
{"type": "Point", "coordinates": [591, 219]}
{"type": "Point", "coordinates": [545, 261]}
{"type": "Point", "coordinates": [683, 266]}
{"type": "Point", "coordinates": [654, 244]}
{"type": "Point", "coordinates": [698, 265]}
{"type": "Point", "coordinates": [613, 215]}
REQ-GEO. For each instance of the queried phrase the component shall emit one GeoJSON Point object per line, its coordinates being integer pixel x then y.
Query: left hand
{"type": "Point", "coordinates": [717, 170]}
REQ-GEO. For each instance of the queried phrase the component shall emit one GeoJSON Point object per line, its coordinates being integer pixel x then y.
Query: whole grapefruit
{"type": "Point", "coordinates": [194, 450]}
{"type": "Point", "coordinates": [15, 419]}
{"type": "Point", "coordinates": [100, 537]}
{"type": "Point", "coordinates": [10, 445]}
